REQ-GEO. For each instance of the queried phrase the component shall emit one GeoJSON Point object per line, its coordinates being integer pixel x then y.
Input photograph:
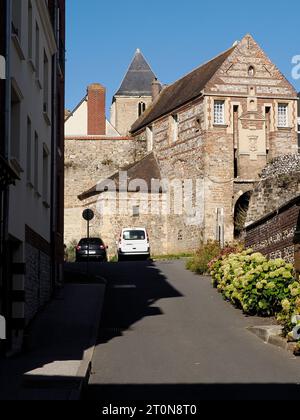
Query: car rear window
{"type": "Point", "coordinates": [134, 235]}
{"type": "Point", "coordinates": [92, 241]}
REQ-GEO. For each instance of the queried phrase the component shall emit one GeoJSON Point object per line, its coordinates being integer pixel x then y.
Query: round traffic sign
{"type": "Point", "coordinates": [88, 215]}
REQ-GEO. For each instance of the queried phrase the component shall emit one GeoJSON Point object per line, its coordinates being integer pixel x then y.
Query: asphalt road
{"type": "Point", "coordinates": [167, 334]}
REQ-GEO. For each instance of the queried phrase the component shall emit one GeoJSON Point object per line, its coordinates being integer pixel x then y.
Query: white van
{"type": "Point", "coordinates": [133, 241]}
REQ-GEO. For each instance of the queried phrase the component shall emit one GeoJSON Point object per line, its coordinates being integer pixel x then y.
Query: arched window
{"type": "Point", "coordinates": [141, 108]}
{"type": "Point", "coordinates": [251, 71]}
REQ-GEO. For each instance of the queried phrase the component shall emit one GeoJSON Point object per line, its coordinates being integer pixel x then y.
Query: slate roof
{"type": "Point", "coordinates": [182, 91]}
{"type": "Point", "coordinates": [138, 79]}
{"type": "Point", "coordinates": [145, 169]}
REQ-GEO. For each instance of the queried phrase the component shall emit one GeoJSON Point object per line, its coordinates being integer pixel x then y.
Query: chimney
{"type": "Point", "coordinates": [156, 89]}
{"type": "Point", "coordinates": [96, 110]}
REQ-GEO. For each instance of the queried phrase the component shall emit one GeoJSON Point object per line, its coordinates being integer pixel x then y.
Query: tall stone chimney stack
{"type": "Point", "coordinates": [96, 110]}
{"type": "Point", "coordinates": [156, 89]}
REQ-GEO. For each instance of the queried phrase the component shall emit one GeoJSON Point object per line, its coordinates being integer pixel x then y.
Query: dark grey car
{"type": "Point", "coordinates": [92, 249]}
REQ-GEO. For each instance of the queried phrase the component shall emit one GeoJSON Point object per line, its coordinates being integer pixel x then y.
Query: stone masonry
{"type": "Point", "coordinates": [227, 155]}
{"type": "Point", "coordinates": [217, 127]}
{"type": "Point", "coordinates": [274, 209]}
{"type": "Point", "coordinates": [87, 162]}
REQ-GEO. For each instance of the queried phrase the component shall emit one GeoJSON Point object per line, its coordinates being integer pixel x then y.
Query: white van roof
{"type": "Point", "coordinates": [134, 228]}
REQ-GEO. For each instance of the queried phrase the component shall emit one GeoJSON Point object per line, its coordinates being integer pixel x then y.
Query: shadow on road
{"type": "Point", "coordinates": [191, 393]}
{"type": "Point", "coordinates": [133, 289]}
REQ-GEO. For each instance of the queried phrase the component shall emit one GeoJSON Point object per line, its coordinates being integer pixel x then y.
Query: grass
{"type": "Point", "coordinates": [172, 257]}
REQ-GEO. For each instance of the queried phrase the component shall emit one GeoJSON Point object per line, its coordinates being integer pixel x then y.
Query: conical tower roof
{"type": "Point", "coordinates": [138, 79]}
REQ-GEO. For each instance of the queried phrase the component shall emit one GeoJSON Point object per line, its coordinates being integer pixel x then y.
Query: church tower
{"type": "Point", "coordinates": [134, 94]}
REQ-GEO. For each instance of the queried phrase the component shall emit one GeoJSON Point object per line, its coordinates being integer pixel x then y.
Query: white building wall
{"type": "Point", "coordinates": [77, 123]}
{"type": "Point", "coordinates": [26, 201]}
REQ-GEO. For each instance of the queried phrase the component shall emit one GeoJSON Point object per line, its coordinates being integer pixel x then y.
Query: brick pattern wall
{"type": "Point", "coordinates": [250, 135]}
{"type": "Point", "coordinates": [96, 110]}
{"type": "Point", "coordinates": [274, 236]}
{"type": "Point", "coordinates": [181, 159]}
{"type": "Point", "coordinates": [38, 287]}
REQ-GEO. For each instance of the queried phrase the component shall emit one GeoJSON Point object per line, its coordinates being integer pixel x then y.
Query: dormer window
{"type": "Point", "coordinates": [251, 71]}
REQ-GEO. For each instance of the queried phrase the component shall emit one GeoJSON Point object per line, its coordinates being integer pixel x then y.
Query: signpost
{"type": "Point", "coordinates": [88, 215]}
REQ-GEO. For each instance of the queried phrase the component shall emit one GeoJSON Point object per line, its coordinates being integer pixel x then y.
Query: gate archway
{"type": "Point", "coordinates": [240, 213]}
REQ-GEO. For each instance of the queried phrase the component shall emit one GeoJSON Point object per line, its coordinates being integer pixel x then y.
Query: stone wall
{"type": "Point", "coordinates": [274, 235]}
{"type": "Point", "coordinates": [182, 159]}
{"type": "Point", "coordinates": [124, 112]}
{"type": "Point", "coordinates": [274, 209]}
{"type": "Point", "coordinates": [271, 194]}
{"type": "Point", "coordinates": [108, 224]}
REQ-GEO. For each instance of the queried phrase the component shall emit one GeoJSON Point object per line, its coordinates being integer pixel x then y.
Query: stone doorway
{"type": "Point", "coordinates": [240, 214]}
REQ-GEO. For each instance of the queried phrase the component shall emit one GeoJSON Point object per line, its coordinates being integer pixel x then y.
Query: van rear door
{"type": "Point", "coordinates": [134, 241]}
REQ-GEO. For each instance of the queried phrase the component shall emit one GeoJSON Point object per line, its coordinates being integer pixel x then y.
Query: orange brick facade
{"type": "Point", "coordinates": [96, 110]}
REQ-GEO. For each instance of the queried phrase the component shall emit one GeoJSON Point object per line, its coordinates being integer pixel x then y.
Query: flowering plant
{"type": "Point", "coordinates": [257, 285]}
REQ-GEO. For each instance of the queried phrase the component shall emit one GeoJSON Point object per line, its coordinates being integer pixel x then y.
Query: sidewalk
{"type": "Point", "coordinates": [60, 349]}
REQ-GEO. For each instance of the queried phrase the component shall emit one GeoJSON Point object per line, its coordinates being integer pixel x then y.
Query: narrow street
{"type": "Point", "coordinates": [166, 333]}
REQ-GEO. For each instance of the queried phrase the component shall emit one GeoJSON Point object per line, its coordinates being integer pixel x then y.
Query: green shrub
{"type": "Point", "coordinates": [257, 285]}
{"type": "Point", "coordinates": [70, 251]}
{"type": "Point", "coordinates": [207, 252]}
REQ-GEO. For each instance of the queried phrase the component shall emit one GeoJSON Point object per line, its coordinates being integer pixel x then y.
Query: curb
{"type": "Point", "coordinates": [273, 335]}
{"type": "Point", "coordinates": [85, 368]}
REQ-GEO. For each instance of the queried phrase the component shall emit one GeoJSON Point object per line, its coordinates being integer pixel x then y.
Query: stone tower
{"type": "Point", "coordinates": [134, 94]}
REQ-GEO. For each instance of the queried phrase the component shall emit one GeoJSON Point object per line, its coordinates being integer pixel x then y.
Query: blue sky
{"type": "Point", "coordinates": [175, 37]}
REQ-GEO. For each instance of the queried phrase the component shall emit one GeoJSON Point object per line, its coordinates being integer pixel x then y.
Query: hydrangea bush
{"type": "Point", "coordinates": [257, 285]}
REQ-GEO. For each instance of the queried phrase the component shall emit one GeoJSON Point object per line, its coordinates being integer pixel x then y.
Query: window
{"type": "Point", "coordinates": [36, 162]}
{"type": "Point", "coordinates": [282, 115]}
{"type": "Point", "coordinates": [198, 124]}
{"type": "Point", "coordinates": [142, 108]}
{"type": "Point", "coordinates": [149, 132]}
{"type": "Point", "coordinates": [235, 139]}
{"type": "Point", "coordinates": [29, 30]}
{"type": "Point", "coordinates": [16, 18]}
{"type": "Point", "coordinates": [136, 211]}
{"type": "Point", "coordinates": [174, 128]}
{"type": "Point", "coordinates": [15, 124]}
{"type": "Point", "coordinates": [268, 126]}
{"type": "Point", "coordinates": [45, 174]}
{"type": "Point", "coordinates": [251, 71]}
{"type": "Point", "coordinates": [29, 151]}
{"type": "Point", "coordinates": [37, 51]}
{"type": "Point", "coordinates": [134, 235]}
{"type": "Point", "coordinates": [46, 84]}
{"type": "Point", "coordinates": [219, 112]}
